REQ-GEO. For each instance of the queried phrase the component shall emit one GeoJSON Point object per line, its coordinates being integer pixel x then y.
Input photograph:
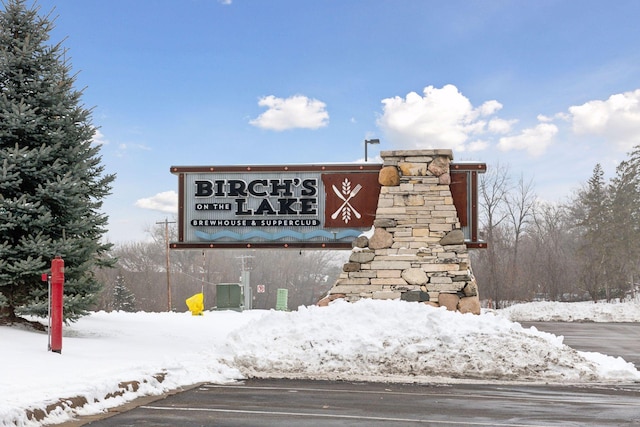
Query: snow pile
{"type": "Point", "coordinates": [573, 312]}
{"type": "Point", "coordinates": [383, 340]}
{"type": "Point", "coordinates": [111, 358]}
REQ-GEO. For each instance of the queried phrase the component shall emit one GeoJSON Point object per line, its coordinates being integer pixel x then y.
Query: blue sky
{"type": "Point", "coordinates": [548, 88]}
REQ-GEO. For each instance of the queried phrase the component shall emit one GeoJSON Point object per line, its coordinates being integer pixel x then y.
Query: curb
{"type": "Point", "coordinates": [71, 404]}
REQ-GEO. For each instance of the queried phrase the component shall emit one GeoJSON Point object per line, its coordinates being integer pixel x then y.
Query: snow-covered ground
{"type": "Point", "coordinates": [573, 312]}
{"type": "Point", "coordinates": [110, 358]}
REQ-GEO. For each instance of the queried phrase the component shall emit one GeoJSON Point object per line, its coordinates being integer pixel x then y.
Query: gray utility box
{"type": "Point", "coordinates": [229, 296]}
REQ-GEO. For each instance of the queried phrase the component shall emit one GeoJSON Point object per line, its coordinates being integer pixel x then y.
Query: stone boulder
{"type": "Point", "coordinates": [454, 237]}
{"type": "Point", "coordinates": [385, 223]}
{"type": "Point", "coordinates": [360, 242]}
{"type": "Point", "coordinates": [449, 300]}
{"type": "Point", "coordinates": [351, 266]}
{"type": "Point", "coordinates": [413, 169]}
{"type": "Point", "coordinates": [415, 276]}
{"type": "Point", "coordinates": [444, 179]}
{"type": "Point", "coordinates": [326, 300]}
{"type": "Point", "coordinates": [381, 239]}
{"type": "Point", "coordinates": [470, 289]}
{"type": "Point", "coordinates": [362, 257]}
{"type": "Point", "coordinates": [389, 176]}
{"type": "Point", "coordinates": [469, 305]}
{"type": "Point", "coordinates": [439, 165]}
{"type": "Point", "coordinates": [415, 296]}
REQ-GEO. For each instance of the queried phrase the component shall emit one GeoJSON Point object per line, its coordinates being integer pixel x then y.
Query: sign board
{"type": "Point", "coordinates": [305, 206]}
{"type": "Point", "coordinates": [295, 206]}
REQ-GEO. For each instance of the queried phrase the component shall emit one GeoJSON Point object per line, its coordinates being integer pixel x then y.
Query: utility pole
{"type": "Point", "coordinates": [166, 223]}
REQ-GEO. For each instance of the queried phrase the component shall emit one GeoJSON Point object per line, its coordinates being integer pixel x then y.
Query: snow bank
{"type": "Point", "coordinates": [573, 312]}
{"type": "Point", "coordinates": [381, 340]}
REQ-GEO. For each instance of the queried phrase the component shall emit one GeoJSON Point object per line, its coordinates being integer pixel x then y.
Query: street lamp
{"type": "Point", "coordinates": [369, 141]}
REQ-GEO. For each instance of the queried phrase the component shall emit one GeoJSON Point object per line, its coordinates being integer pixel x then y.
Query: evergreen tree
{"type": "Point", "coordinates": [123, 298]}
{"type": "Point", "coordinates": [592, 215]}
{"type": "Point", "coordinates": [51, 181]}
{"type": "Point", "coordinates": [625, 214]}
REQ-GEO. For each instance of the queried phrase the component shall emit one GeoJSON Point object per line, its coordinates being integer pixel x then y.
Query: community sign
{"type": "Point", "coordinates": [286, 206]}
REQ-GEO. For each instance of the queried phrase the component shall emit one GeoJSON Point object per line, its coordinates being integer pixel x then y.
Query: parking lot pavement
{"type": "Point", "coordinates": [613, 339]}
{"type": "Point", "coordinates": [328, 403]}
{"type": "Point", "coordinates": [306, 403]}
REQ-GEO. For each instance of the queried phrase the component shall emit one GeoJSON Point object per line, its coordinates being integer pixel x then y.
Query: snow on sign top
{"type": "Point", "coordinates": [293, 206]}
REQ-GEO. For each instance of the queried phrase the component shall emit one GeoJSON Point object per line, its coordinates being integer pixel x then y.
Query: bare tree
{"type": "Point", "coordinates": [307, 275]}
{"type": "Point", "coordinates": [493, 189]}
{"type": "Point", "coordinates": [550, 255]}
{"type": "Point", "coordinates": [520, 205]}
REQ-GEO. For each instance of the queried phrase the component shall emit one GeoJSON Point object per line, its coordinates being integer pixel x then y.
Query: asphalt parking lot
{"type": "Point", "coordinates": [304, 403]}
{"type": "Point", "coordinates": [272, 403]}
{"type": "Point", "coordinates": [614, 339]}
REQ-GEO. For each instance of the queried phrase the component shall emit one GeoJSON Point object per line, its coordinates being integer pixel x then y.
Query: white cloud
{"type": "Point", "coordinates": [297, 111]}
{"type": "Point", "coordinates": [535, 140]}
{"type": "Point", "coordinates": [500, 126]}
{"type": "Point", "coordinates": [442, 118]}
{"type": "Point", "coordinates": [478, 145]}
{"type": "Point", "coordinates": [124, 149]}
{"type": "Point", "coordinates": [166, 201]}
{"type": "Point", "coordinates": [489, 107]}
{"type": "Point", "coordinates": [445, 118]}
{"type": "Point", "coordinates": [617, 119]}
{"type": "Point", "coordinates": [99, 139]}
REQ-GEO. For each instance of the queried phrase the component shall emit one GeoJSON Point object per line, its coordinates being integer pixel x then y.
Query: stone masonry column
{"type": "Point", "coordinates": [417, 250]}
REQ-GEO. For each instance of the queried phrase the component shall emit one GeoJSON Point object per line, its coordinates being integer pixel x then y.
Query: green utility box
{"type": "Point", "coordinates": [282, 299]}
{"type": "Point", "coordinates": [229, 296]}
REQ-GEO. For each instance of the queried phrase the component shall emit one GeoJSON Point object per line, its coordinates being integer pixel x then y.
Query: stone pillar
{"type": "Point", "coordinates": [416, 251]}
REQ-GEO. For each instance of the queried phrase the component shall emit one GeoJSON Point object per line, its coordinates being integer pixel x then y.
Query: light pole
{"type": "Point", "coordinates": [369, 141]}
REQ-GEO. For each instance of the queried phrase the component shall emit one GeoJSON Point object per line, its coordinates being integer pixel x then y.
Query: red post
{"type": "Point", "coordinates": [57, 291]}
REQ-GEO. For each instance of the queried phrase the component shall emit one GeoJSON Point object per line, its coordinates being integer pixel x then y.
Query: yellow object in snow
{"type": "Point", "coordinates": [196, 304]}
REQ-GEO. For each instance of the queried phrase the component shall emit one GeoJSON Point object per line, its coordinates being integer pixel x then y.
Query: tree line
{"type": "Point", "coordinates": [587, 247]}
{"type": "Point", "coordinates": [139, 281]}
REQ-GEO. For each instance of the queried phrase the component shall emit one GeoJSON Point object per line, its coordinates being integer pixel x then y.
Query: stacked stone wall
{"type": "Point", "coordinates": [416, 251]}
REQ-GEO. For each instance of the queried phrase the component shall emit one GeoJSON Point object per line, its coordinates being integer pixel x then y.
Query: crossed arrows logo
{"type": "Point", "coordinates": [346, 194]}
